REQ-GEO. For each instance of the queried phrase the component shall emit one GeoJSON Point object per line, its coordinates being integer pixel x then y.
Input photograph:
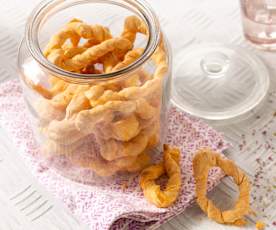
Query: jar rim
{"type": "Point", "coordinates": [39, 13]}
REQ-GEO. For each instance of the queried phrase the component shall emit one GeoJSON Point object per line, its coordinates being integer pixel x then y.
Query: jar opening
{"type": "Point", "coordinates": [50, 7]}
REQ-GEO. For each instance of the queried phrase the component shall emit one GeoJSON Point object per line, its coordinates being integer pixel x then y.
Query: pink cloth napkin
{"type": "Point", "coordinates": [111, 206]}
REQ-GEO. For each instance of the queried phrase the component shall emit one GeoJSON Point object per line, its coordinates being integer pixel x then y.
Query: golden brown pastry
{"type": "Point", "coordinates": [171, 167]}
{"type": "Point", "coordinates": [203, 161]}
{"type": "Point", "coordinates": [74, 30]}
{"type": "Point", "coordinates": [86, 120]}
{"type": "Point", "coordinates": [112, 149]}
{"type": "Point", "coordinates": [133, 25]}
{"type": "Point", "coordinates": [123, 113]}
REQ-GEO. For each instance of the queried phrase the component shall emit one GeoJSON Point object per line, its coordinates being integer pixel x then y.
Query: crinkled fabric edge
{"type": "Point", "coordinates": [157, 218]}
{"type": "Point", "coordinates": [169, 216]}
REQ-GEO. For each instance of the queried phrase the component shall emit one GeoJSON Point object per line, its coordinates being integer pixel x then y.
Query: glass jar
{"type": "Point", "coordinates": [99, 123]}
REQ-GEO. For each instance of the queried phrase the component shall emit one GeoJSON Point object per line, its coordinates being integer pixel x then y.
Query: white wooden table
{"type": "Point", "coordinates": [253, 137]}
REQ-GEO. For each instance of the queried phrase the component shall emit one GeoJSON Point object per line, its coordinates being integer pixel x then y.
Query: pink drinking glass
{"type": "Point", "coordinates": [259, 22]}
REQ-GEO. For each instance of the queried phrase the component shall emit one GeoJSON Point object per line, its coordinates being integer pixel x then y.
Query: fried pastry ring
{"type": "Point", "coordinates": [130, 57]}
{"type": "Point", "coordinates": [78, 103]}
{"type": "Point", "coordinates": [109, 61]}
{"type": "Point", "coordinates": [133, 80]}
{"type": "Point", "coordinates": [72, 112]}
{"type": "Point", "coordinates": [64, 132]}
{"type": "Point", "coordinates": [144, 110]}
{"type": "Point", "coordinates": [202, 162]}
{"type": "Point", "coordinates": [170, 166]}
{"type": "Point", "coordinates": [108, 95]}
{"type": "Point", "coordinates": [132, 26]}
{"type": "Point", "coordinates": [74, 30]}
{"type": "Point", "coordinates": [54, 109]}
{"type": "Point", "coordinates": [93, 53]}
{"type": "Point", "coordinates": [58, 87]}
{"type": "Point", "coordinates": [131, 93]}
{"type": "Point", "coordinates": [106, 168]}
{"type": "Point", "coordinates": [94, 93]}
{"type": "Point", "coordinates": [141, 162]}
{"type": "Point", "coordinates": [112, 149]}
{"type": "Point", "coordinates": [47, 112]}
{"type": "Point", "coordinates": [86, 120]}
{"type": "Point", "coordinates": [61, 100]}
{"type": "Point", "coordinates": [43, 91]}
{"type": "Point", "coordinates": [154, 139]}
{"type": "Point", "coordinates": [125, 129]}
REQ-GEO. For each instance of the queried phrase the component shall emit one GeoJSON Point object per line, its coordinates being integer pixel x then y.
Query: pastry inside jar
{"type": "Point", "coordinates": [123, 114]}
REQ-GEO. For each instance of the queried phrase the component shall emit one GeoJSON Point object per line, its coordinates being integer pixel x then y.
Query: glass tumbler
{"type": "Point", "coordinates": [93, 126]}
{"type": "Point", "coordinates": [259, 22]}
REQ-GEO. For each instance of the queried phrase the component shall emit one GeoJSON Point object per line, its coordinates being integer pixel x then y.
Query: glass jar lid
{"type": "Point", "coordinates": [217, 82]}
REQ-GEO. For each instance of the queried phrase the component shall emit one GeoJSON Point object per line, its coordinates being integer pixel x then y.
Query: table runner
{"type": "Point", "coordinates": [113, 205]}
